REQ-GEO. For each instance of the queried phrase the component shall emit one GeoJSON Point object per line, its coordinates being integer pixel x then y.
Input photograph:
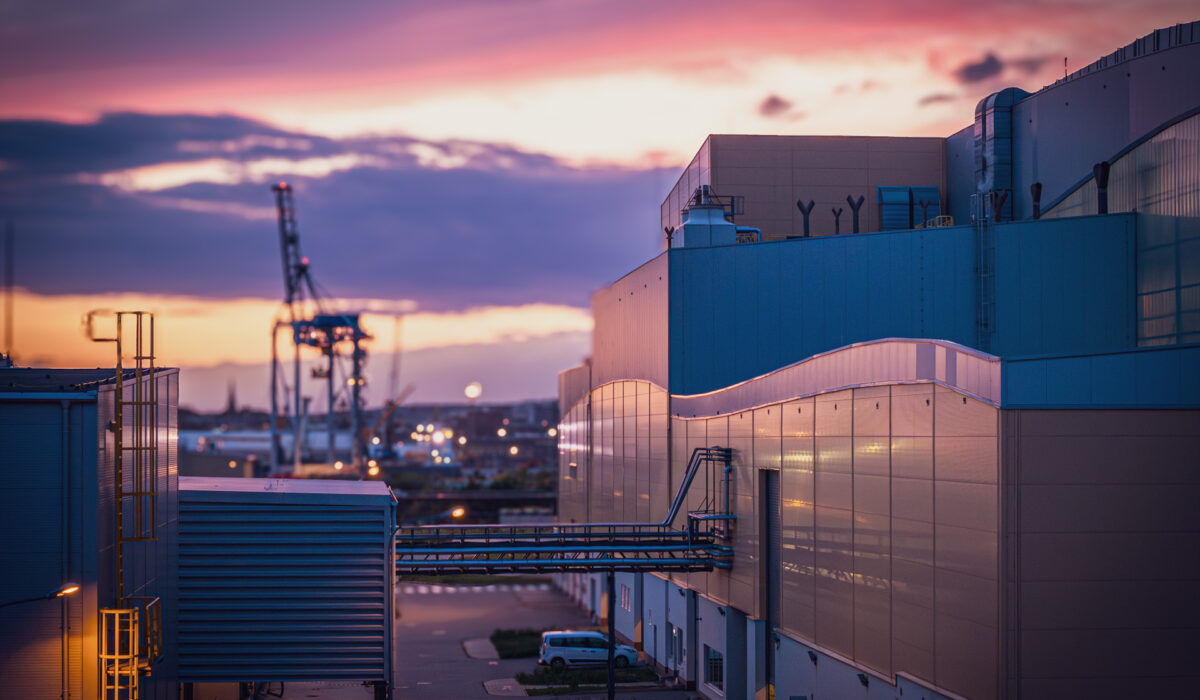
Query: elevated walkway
{"type": "Point", "coordinates": [699, 545]}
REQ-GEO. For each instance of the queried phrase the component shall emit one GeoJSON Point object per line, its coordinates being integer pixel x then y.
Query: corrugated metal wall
{"type": "Point", "coordinates": [637, 303]}
{"type": "Point", "coordinates": [741, 311]}
{"type": "Point", "coordinates": [44, 448]}
{"type": "Point", "coordinates": [276, 585]}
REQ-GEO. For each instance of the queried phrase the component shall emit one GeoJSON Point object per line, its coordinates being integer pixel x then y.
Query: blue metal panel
{"type": "Point", "coordinates": [1142, 378]}
{"type": "Point", "coordinates": [276, 585]}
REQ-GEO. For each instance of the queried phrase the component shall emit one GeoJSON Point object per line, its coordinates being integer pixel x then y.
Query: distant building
{"type": "Point", "coordinates": [965, 456]}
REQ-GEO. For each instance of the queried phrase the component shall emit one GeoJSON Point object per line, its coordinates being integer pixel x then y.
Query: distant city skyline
{"type": "Point", "coordinates": [481, 166]}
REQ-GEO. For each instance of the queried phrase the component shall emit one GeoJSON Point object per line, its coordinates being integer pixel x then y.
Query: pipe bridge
{"type": "Point", "coordinates": [700, 545]}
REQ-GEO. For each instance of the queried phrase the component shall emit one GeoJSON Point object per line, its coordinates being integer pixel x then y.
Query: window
{"type": "Point", "coordinates": [626, 598]}
{"type": "Point", "coordinates": [714, 668]}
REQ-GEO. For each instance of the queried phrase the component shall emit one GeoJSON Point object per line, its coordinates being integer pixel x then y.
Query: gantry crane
{"type": "Point", "coordinates": [323, 330]}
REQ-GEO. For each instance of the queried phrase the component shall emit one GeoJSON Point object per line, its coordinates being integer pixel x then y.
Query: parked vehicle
{"type": "Point", "coordinates": [568, 648]}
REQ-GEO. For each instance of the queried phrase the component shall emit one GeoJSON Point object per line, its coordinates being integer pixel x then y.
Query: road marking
{"type": "Point", "coordinates": [543, 587]}
{"type": "Point", "coordinates": [422, 589]}
{"type": "Point", "coordinates": [489, 588]}
{"type": "Point", "coordinates": [424, 682]}
{"type": "Point", "coordinates": [476, 589]}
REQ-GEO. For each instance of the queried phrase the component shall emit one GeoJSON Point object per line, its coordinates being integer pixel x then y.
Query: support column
{"type": "Point", "coordinates": [612, 637]}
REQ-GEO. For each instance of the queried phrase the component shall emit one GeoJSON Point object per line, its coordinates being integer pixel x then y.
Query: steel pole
{"type": "Point", "coordinates": [274, 398]}
{"type": "Point", "coordinates": [329, 416]}
{"type": "Point", "coordinates": [612, 638]}
{"type": "Point", "coordinates": [296, 426]}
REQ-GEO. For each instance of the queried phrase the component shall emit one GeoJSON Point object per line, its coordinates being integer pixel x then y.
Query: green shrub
{"type": "Point", "coordinates": [517, 644]}
{"type": "Point", "coordinates": [573, 677]}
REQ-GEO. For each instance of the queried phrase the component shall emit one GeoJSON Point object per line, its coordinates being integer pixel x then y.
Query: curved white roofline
{"type": "Point", "coordinates": [873, 363]}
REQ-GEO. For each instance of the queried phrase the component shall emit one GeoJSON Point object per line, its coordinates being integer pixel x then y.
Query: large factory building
{"type": "Point", "coordinates": [964, 412]}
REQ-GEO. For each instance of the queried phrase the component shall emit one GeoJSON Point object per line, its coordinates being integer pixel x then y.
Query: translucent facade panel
{"type": "Point", "coordinates": [767, 433]}
{"type": "Point", "coordinates": [967, 505]}
{"type": "Point", "coordinates": [834, 580]}
{"type": "Point", "coordinates": [797, 418]}
{"type": "Point", "coordinates": [872, 455]}
{"type": "Point", "coordinates": [835, 414]}
{"type": "Point", "coordinates": [888, 501]}
{"type": "Point", "coordinates": [872, 412]}
{"type": "Point", "coordinates": [912, 410]}
{"type": "Point", "coordinates": [797, 536]}
{"type": "Point", "coordinates": [970, 459]}
{"type": "Point", "coordinates": [912, 457]}
{"type": "Point", "coordinates": [1159, 176]}
{"type": "Point", "coordinates": [912, 499]}
{"type": "Point", "coordinates": [872, 494]}
{"type": "Point", "coordinates": [963, 416]}
{"type": "Point", "coordinates": [1168, 280]}
{"type": "Point", "coordinates": [912, 540]}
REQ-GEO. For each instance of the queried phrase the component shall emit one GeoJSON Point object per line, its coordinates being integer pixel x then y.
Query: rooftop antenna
{"type": "Point", "coordinates": [1064, 67]}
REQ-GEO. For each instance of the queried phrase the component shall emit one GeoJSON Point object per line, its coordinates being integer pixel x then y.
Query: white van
{"type": "Point", "coordinates": [568, 648]}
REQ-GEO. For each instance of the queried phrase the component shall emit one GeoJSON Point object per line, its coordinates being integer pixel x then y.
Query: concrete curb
{"type": "Point", "coordinates": [480, 648]}
{"type": "Point", "coordinates": [507, 687]}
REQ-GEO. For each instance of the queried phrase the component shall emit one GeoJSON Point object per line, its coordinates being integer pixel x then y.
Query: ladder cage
{"type": "Point", "coordinates": [120, 647]}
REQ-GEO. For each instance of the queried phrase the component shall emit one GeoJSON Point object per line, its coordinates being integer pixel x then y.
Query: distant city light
{"type": "Point", "coordinates": [502, 432]}
{"type": "Point", "coordinates": [414, 436]}
{"type": "Point", "coordinates": [338, 465]}
{"type": "Point", "coordinates": [513, 450]}
{"type": "Point", "coordinates": [435, 453]}
{"type": "Point", "coordinates": [233, 464]}
{"type": "Point", "coordinates": [373, 470]}
{"type": "Point", "coordinates": [462, 439]}
{"type": "Point", "coordinates": [438, 438]}
{"type": "Point", "coordinates": [375, 440]}
{"type": "Point", "coordinates": [553, 432]}
{"type": "Point", "coordinates": [448, 433]}
{"type": "Point", "coordinates": [473, 390]}
{"type": "Point", "coordinates": [457, 512]}
{"type": "Point", "coordinates": [420, 427]}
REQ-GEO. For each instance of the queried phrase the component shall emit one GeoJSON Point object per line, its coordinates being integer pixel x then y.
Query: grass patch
{"type": "Point", "coordinates": [575, 677]}
{"type": "Point", "coordinates": [517, 644]}
{"type": "Point", "coordinates": [475, 579]}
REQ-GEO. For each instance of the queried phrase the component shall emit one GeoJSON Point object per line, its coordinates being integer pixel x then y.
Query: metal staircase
{"type": "Point", "coordinates": [701, 544]}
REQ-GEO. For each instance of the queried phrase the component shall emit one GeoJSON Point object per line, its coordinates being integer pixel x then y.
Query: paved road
{"type": "Point", "coordinates": [434, 621]}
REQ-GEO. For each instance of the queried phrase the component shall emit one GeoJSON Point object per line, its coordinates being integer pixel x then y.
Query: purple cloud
{"type": "Point", "coordinates": [499, 227]}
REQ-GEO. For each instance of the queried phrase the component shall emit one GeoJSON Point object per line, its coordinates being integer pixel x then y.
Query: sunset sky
{"type": "Point", "coordinates": [479, 166]}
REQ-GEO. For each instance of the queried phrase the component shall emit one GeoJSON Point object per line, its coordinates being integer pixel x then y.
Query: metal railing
{"type": "Point", "coordinates": [699, 545]}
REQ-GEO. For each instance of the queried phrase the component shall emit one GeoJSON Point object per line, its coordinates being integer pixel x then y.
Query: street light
{"type": "Point", "coordinates": [473, 390]}
{"type": "Point", "coordinates": [69, 588]}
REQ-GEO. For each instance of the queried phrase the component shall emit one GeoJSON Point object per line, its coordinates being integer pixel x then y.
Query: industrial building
{"type": "Point", "coordinates": [126, 582]}
{"type": "Point", "coordinates": [90, 498]}
{"type": "Point", "coordinates": [965, 432]}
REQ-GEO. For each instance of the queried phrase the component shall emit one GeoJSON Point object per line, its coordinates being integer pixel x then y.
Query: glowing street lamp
{"type": "Point", "coordinates": [513, 450]}
{"type": "Point", "coordinates": [473, 390]}
{"type": "Point", "coordinates": [69, 588]}
{"type": "Point", "coordinates": [501, 432]}
{"type": "Point", "coordinates": [338, 465]}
